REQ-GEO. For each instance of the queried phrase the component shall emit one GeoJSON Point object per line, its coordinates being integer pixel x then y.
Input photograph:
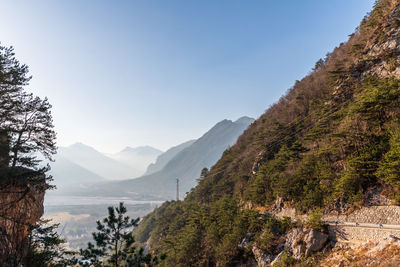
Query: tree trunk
{"type": "Point", "coordinates": [15, 149]}
{"type": "Point", "coordinates": [116, 252]}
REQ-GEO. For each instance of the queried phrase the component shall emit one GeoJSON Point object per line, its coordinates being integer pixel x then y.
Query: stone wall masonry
{"type": "Point", "coordinates": [372, 214]}
{"type": "Point", "coordinates": [343, 232]}
{"type": "Point", "coordinates": [356, 235]}
{"type": "Point", "coordinates": [377, 215]}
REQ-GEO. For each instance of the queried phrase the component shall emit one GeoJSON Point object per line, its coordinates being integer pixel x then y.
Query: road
{"type": "Point", "coordinates": [364, 225]}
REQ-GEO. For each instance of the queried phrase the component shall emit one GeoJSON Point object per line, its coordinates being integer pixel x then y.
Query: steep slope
{"type": "Point", "coordinates": [165, 157]}
{"type": "Point", "coordinates": [186, 165]}
{"type": "Point", "coordinates": [138, 158]}
{"type": "Point", "coordinates": [21, 206]}
{"type": "Point", "coordinates": [96, 162]}
{"type": "Point", "coordinates": [333, 137]}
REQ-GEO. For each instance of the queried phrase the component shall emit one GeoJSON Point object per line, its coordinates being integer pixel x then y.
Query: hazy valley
{"type": "Point", "coordinates": [86, 178]}
{"type": "Point", "coordinates": [313, 181]}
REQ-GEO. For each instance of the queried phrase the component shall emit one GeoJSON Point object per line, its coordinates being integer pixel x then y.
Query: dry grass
{"type": "Point", "coordinates": [370, 254]}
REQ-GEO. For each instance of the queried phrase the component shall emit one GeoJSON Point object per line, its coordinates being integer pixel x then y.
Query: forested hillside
{"type": "Point", "coordinates": [185, 166]}
{"type": "Point", "coordinates": [333, 136]}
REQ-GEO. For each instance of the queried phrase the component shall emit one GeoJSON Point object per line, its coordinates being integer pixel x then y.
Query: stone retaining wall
{"type": "Point", "coordinates": [372, 214]}
{"type": "Point", "coordinates": [358, 234]}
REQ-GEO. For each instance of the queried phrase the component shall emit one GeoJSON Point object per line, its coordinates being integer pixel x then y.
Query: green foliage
{"type": "Point", "coordinates": [286, 224]}
{"type": "Point", "coordinates": [260, 191]}
{"type": "Point", "coordinates": [266, 241]}
{"type": "Point", "coordinates": [286, 261]}
{"type": "Point", "coordinates": [334, 135]}
{"type": "Point", "coordinates": [46, 247]}
{"type": "Point", "coordinates": [389, 168]}
{"type": "Point", "coordinates": [346, 161]}
{"type": "Point", "coordinates": [378, 99]}
{"type": "Point", "coordinates": [114, 242]}
{"type": "Point", "coordinates": [360, 172]}
{"type": "Point", "coordinates": [315, 222]}
{"type": "Point", "coordinates": [43, 247]}
{"type": "Point", "coordinates": [377, 14]}
{"type": "Point", "coordinates": [149, 222]}
{"type": "Point", "coordinates": [326, 123]}
{"type": "Point", "coordinates": [313, 260]}
{"type": "Point", "coordinates": [204, 172]}
{"type": "Point", "coordinates": [273, 229]}
{"type": "Point", "coordinates": [26, 124]}
{"type": "Point", "coordinates": [272, 180]}
{"type": "Point", "coordinates": [209, 234]}
{"type": "Point", "coordinates": [313, 179]}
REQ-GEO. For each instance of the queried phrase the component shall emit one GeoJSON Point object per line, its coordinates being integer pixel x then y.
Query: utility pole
{"type": "Point", "coordinates": [177, 189]}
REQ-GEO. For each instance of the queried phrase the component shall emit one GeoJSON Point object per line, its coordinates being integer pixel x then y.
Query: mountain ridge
{"type": "Point", "coordinates": [165, 157]}
{"type": "Point", "coordinates": [331, 139]}
{"type": "Point", "coordinates": [185, 165]}
{"type": "Point", "coordinates": [96, 162]}
{"type": "Point", "coordinates": [142, 150]}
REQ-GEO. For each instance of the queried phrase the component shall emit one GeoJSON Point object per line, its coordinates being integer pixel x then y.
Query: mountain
{"type": "Point", "coordinates": [186, 165]}
{"type": "Point", "coordinates": [165, 157]}
{"type": "Point", "coordinates": [317, 172]}
{"type": "Point", "coordinates": [244, 120]}
{"type": "Point", "coordinates": [96, 162]}
{"type": "Point", "coordinates": [79, 166]}
{"type": "Point", "coordinates": [67, 175]}
{"type": "Point", "coordinates": [146, 151]}
{"type": "Point", "coordinates": [138, 158]}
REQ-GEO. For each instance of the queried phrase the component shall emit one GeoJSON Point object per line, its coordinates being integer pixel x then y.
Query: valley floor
{"type": "Point", "coordinates": [77, 216]}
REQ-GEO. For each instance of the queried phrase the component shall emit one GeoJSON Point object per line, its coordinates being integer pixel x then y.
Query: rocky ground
{"type": "Point", "coordinates": [385, 253]}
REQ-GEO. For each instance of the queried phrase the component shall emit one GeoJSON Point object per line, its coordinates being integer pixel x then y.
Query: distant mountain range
{"type": "Point", "coordinates": [79, 165]}
{"type": "Point", "coordinates": [164, 158]}
{"type": "Point", "coordinates": [137, 158]}
{"type": "Point", "coordinates": [96, 162]}
{"type": "Point", "coordinates": [184, 162]}
{"type": "Point", "coordinates": [67, 173]}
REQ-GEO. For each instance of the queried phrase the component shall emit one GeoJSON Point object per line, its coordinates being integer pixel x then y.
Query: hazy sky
{"type": "Point", "coordinates": [129, 73]}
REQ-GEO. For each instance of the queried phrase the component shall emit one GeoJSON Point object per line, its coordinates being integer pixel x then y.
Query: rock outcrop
{"type": "Point", "coordinates": [21, 206]}
{"type": "Point", "coordinates": [382, 58]}
{"type": "Point", "coordinates": [262, 259]}
{"type": "Point", "coordinates": [299, 242]}
{"type": "Point", "coordinates": [304, 241]}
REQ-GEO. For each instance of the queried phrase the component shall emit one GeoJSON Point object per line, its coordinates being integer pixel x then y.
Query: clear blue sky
{"type": "Point", "coordinates": [160, 72]}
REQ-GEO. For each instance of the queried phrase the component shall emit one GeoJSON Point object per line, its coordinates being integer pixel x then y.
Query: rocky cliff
{"type": "Point", "coordinates": [21, 206]}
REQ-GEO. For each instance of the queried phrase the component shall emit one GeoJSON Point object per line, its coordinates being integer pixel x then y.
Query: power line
{"type": "Point", "coordinates": [280, 136]}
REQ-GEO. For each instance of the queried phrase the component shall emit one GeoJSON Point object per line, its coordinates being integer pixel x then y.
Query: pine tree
{"type": "Point", "coordinates": [26, 125]}
{"type": "Point", "coordinates": [44, 247]}
{"type": "Point", "coordinates": [31, 131]}
{"type": "Point", "coordinates": [13, 76]}
{"type": "Point", "coordinates": [115, 243]}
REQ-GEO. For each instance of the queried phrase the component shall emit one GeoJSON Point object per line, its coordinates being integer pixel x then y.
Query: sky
{"type": "Point", "coordinates": [161, 72]}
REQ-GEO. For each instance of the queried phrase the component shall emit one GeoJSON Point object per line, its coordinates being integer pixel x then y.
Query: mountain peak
{"type": "Point", "coordinates": [78, 144]}
{"type": "Point", "coordinates": [81, 146]}
{"type": "Point", "coordinates": [141, 150]}
{"type": "Point", "coordinates": [245, 120]}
